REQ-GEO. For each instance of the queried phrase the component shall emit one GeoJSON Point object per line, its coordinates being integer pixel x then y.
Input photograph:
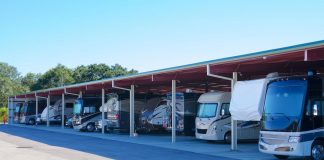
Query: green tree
{"type": "Point", "coordinates": [99, 71]}
{"type": "Point", "coordinates": [10, 81]}
{"type": "Point", "coordinates": [55, 77]}
{"type": "Point", "coordinates": [30, 80]}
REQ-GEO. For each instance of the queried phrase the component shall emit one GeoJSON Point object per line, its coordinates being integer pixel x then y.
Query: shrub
{"type": "Point", "coordinates": [3, 112]}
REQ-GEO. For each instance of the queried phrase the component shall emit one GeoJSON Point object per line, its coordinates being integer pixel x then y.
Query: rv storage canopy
{"type": "Point", "coordinates": [247, 100]}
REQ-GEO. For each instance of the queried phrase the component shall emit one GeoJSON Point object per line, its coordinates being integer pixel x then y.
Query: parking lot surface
{"type": "Point", "coordinates": [121, 146]}
{"type": "Point", "coordinates": [96, 146]}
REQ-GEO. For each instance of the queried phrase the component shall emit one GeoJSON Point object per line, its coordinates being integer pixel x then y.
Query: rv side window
{"type": "Point", "coordinates": [225, 109]}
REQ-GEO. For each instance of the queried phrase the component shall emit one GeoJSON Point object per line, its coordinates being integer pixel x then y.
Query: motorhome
{"type": "Point", "coordinates": [86, 113]}
{"type": "Point", "coordinates": [27, 114]}
{"type": "Point", "coordinates": [158, 116]}
{"type": "Point", "coordinates": [118, 116]}
{"type": "Point", "coordinates": [213, 119]}
{"type": "Point", "coordinates": [293, 117]}
{"type": "Point", "coordinates": [55, 112]}
{"type": "Point", "coordinates": [17, 107]}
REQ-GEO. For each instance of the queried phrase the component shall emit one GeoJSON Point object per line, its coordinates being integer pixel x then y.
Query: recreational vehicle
{"type": "Point", "coordinates": [27, 114]}
{"type": "Point", "coordinates": [213, 121]}
{"type": "Point", "coordinates": [293, 117]}
{"type": "Point", "coordinates": [86, 113]}
{"type": "Point", "coordinates": [55, 112]}
{"type": "Point", "coordinates": [118, 112]}
{"type": "Point", "coordinates": [158, 117]}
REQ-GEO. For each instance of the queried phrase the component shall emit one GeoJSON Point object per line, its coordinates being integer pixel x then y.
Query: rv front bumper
{"type": "Point", "coordinates": [288, 149]}
{"type": "Point", "coordinates": [284, 145]}
{"type": "Point", "coordinates": [207, 136]}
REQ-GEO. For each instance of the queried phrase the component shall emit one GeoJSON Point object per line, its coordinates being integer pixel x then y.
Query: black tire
{"type": "Point", "coordinates": [90, 127]}
{"type": "Point", "coordinates": [31, 121]}
{"type": "Point", "coordinates": [228, 137]}
{"type": "Point", "coordinates": [317, 151]}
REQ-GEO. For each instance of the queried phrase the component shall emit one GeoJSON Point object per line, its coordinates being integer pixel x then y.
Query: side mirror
{"type": "Point", "coordinates": [222, 112]}
{"type": "Point", "coordinates": [315, 109]}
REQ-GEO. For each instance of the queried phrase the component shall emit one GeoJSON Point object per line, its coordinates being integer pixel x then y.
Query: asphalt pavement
{"type": "Point", "coordinates": [85, 147]}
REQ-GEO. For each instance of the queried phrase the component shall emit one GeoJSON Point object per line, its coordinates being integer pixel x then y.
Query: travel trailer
{"type": "Point", "coordinates": [86, 113]}
{"type": "Point", "coordinates": [213, 120]}
{"type": "Point", "coordinates": [27, 114]}
{"type": "Point", "coordinates": [55, 112]}
{"type": "Point", "coordinates": [293, 117]}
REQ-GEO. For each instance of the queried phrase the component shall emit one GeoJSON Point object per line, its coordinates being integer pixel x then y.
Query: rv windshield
{"type": "Point", "coordinates": [285, 98]}
{"type": "Point", "coordinates": [77, 108]}
{"type": "Point", "coordinates": [207, 110]}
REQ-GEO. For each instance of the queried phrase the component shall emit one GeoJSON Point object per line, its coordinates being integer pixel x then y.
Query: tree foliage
{"type": "Point", "coordinates": [57, 76]}
{"type": "Point", "coordinates": [12, 83]}
{"type": "Point", "coordinates": [99, 71]}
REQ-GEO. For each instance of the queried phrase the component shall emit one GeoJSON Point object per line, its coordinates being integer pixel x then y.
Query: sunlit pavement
{"type": "Point", "coordinates": [118, 146]}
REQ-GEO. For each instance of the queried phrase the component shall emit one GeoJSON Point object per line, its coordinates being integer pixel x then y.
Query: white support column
{"type": "Point", "coordinates": [80, 94]}
{"type": "Point", "coordinates": [48, 107]}
{"type": "Point", "coordinates": [306, 55]}
{"type": "Point", "coordinates": [103, 122]}
{"type": "Point", "coordinates": [234, 122]}
{"type": "Point", "coordinates": [36, 108]}
{"type": "Point", "coordinates": [131, 111]}
{"type": "Point", "coordinates": [174, 83]}
{"type": "Point", "coordinates": [63, 110]}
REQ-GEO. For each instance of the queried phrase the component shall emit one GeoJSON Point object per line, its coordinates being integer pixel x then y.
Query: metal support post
{"type": "Point", "coordinates": [131, 110]}
{"type": "Point", "coordinates": [10, 110]}
{"type": "Point", "coordinates": [103, 122]}
{"type": "Point", "coordinates": [80, 94]}
{"type": "Point", "coordinates": [234, 122]}
{"type": "Point", "coordinates": [63, 110]}
{"type": "Point", "coordinates": [36, 109]}
{"type": "Point", "coordinates": [174, 83]}
{"type": "Point", "coordinates": [48, 108]}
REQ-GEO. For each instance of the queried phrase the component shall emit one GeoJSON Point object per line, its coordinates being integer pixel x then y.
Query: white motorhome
{"type": "Point", "coordinates": [55, 111]}
{"type": "Point", "coordinates": [213, 119]}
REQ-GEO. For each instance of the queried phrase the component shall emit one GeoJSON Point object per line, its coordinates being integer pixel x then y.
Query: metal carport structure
{"type": "Point", "coordinates": [219, 74]}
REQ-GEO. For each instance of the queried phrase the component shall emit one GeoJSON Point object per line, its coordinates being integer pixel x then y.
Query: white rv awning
{"type": "Point", "coordinates": [248, 99]}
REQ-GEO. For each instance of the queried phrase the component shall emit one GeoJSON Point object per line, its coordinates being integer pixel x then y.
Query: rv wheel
{"type": "Point", "coordinates": [317, 150]}
{"type": "Point", "coordinates": [31, 122]}
{"type": "Point", "coordinates": [228, 137]}
{"type": "Point", "coordinates": [90, 127]}
{"type": "Point", "coordinates": [281, 156]}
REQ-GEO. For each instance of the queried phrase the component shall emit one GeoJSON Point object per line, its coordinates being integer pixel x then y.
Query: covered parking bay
{"type": "Point", "coordinates": [217, 75]}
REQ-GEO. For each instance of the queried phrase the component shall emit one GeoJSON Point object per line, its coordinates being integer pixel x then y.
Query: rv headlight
{"type": "Point", "coordinates": [294, 139]}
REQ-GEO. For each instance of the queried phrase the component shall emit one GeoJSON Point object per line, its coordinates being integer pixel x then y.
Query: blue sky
{"type": "Point", "coordinates": [36, 35]}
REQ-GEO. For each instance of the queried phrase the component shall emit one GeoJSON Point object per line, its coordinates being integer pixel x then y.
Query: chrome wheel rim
{"type": "Point", "coordinates": [318, 152]}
